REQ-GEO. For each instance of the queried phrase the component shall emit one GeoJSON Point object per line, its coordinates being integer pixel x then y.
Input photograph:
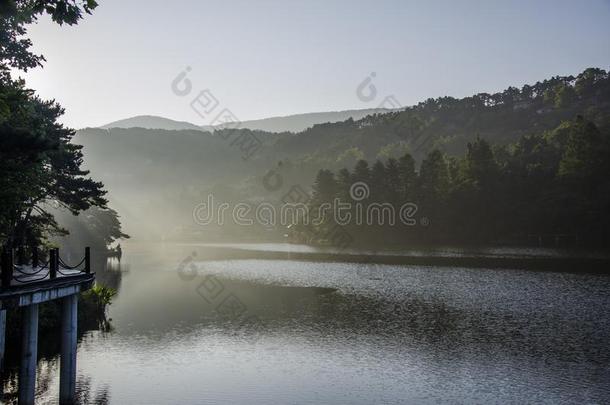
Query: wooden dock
{"type": "Point", "coordinates": [25, 286]}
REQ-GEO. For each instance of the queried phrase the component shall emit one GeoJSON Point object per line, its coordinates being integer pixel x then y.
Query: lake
{"type": "Point", "coordinates": [189, 327]}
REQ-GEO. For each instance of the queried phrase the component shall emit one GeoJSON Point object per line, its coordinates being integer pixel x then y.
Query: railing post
{"type": "Point", "coordinates": [34, 256]}
{"type": "Point", "coordinates": [7, 268]}
{"type": "Point", "coordinates": [53, 263]}
{"type": "Point", "coordinates": [21, 255]}
{"type": "Point", "coordinates": [2, 335]}
{"type": "Point", "coordinates": [87, 260]}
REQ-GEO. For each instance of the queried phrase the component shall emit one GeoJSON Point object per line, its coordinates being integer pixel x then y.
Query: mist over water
{"type": "Point", "coordinates": [341, 333]}
{"type": "Point", "coordinates": [304, 203]}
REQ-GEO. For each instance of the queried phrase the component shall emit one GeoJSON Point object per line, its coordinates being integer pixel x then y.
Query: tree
{"type": "Point", "coordinates": [362, 172]}
{"type": "Point", "coordinates": [564, 95]}
{"type": "Point", "coordinates": [481, 166]}
{"type": "Point", "coordinates": [407, 177]}
{"type": "Point", "coordinates": [39, 167]}
{"type": "Point", "coordinates": [350, 156]}
{"type": "Point", "coordinates": [392, 150]}
{"type": "Point", "coordinates": [587, 81]}
{"type": "Point", "coordinates": [324, 192]}
{"type": "Point", "coordinates": [324, 187]}
{"type": "Point", "coordinates": [95, 227]}
{"type": "Point", "coordinates": [344, 182]}
{"type": "Point", "coordinates": [15, 15]}
{"type": "Point", "coordinates": [434, 178]}
{"type": "Point", "coordinates": [392, 182]}
{"type": "Point", "coordinates": [378, 184]}
{"type": "Point", "coordinates": [474, 198]}
{"type": "Point", "coordinates": [584, 150]}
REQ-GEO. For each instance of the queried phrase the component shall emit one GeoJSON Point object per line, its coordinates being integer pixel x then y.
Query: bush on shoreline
{"type": "Point", "coordinates": [92, 306]}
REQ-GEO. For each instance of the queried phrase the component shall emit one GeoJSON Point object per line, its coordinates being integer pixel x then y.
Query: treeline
{"type": "Point", "coordinates": [550, 188]}
{"type": "Point", "coordinates": [448, 123]}
{"type": "Point", "coordinates": [166, 173]}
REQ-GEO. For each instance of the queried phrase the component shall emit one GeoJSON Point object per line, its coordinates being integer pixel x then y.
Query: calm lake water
{"type": "Point", "coordinates": [189, 330]}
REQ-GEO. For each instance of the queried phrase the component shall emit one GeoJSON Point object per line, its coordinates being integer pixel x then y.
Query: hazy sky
{"type": "Point", "coordinates": [268, 58]}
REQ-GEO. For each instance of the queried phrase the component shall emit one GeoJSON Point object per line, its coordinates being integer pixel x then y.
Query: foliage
{"type": "Point", "coordinates": [15, 15]}
{"type": "Point", "coordinates": [97, 298]}
{"type": "Point", "coordinates": [553, 184]}
{"type": "Point", "coordinates": [92, 306]}
{"type": "Point", "coordinates": [39, 166]}
{"type": "Point", "coordinates": [173, 170]}
{"type": "Point", "coordinates": [96, 227]}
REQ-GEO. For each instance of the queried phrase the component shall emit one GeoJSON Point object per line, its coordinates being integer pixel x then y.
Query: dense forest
{"type": "Point", "coordinates": [523, 183]}
{"type": "Point", "coordinates": [527, 183]}
{"type": "Point", "coordinates": [545, 189]}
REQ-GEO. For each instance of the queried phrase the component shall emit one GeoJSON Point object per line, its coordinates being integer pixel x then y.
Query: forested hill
{"type": "Point", "coordinates": [288, 123]}
{"type": "Point", "coordinates": [449, 124]}
{"type": "Point", "coordinates": [139, 162]}
{"type": "Point", "coordinates": [300, 122]}
{"type": "Point", "coordinates": [445, 123]}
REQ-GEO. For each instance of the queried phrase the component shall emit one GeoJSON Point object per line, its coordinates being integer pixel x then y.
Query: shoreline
{"type": "Point", "coordinates": [581, 265]}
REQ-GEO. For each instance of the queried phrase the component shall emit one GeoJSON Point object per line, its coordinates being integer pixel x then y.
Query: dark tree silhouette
{"type": "Point", "coordinates": [40, 168]}
{"type": "Point", "coordinates": [548, 185]}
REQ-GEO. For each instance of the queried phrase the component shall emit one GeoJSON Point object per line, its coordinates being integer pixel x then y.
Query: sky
{"type": "Point", "coordinates": [273, 58]}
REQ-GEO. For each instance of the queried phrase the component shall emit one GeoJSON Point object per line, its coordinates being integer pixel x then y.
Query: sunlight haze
{"type": "Point", "coordinates": [274, 58]}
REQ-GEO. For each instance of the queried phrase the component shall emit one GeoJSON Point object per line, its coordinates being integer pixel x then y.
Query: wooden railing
{"type": "Point", "coordinates": [13, 275]}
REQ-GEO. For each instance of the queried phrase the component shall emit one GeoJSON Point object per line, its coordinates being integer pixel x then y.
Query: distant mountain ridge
{"type": "Point", "coordinates": [151, 122]}
{"type": "Point", "coordinates": [289, 123]}
{"type": "Point", "coordinates": [300, 122]}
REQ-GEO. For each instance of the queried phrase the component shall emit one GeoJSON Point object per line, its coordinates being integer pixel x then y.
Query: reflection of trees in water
{"type": "Point", "coordinates": [109, 272]}
{"type": "Point", "coordinates": [85, 393]}
{"type": "Point", "coordinates": [430, 324]}
{"type": "Point", "coordinates": [47, 371]}
{"type": "Point", "coordinates": [46, 368]}
{"type": "Point", "coordinates": [9, 387]}
{"type": "Point", "coordinates": [412, 318]}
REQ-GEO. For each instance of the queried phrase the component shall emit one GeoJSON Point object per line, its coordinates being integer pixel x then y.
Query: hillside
{"type": "Point", "coordinates": [150, 122]}
{"type": "Point", "coordinates": [136, 163]}
{"type": "Point", "coordinates": [289, 123]}
{"type": "Point", "coordinates": [300, 122]}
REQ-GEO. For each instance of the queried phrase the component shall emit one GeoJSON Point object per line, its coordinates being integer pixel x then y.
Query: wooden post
{"type": "Point", "coordinates": [7, 269]}
{"type": "Point", "coordinates": [87, 260]}
{"type": "Point", "coordinates": [67, 372]}
{"type": "Point", "coordinates": [29, 354]}
{"type": "Point", "coordinates": [2, 335]}
{"type": "Point", "coordinates": [21, 255]}
{"type": "Point", "coordinates": [53, 263]}
{"type": "Point", "coordinates": [34, 256]}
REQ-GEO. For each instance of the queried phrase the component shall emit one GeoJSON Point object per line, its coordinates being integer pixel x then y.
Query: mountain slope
{"type": "Point", "coordinates": [151, 122]}
{"type": "Point", "coordinates": [163, 173]}
{"type": "Point", "coordinates": [300, 122]}
{"type": "Point", "coordinates": [289, 123]}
